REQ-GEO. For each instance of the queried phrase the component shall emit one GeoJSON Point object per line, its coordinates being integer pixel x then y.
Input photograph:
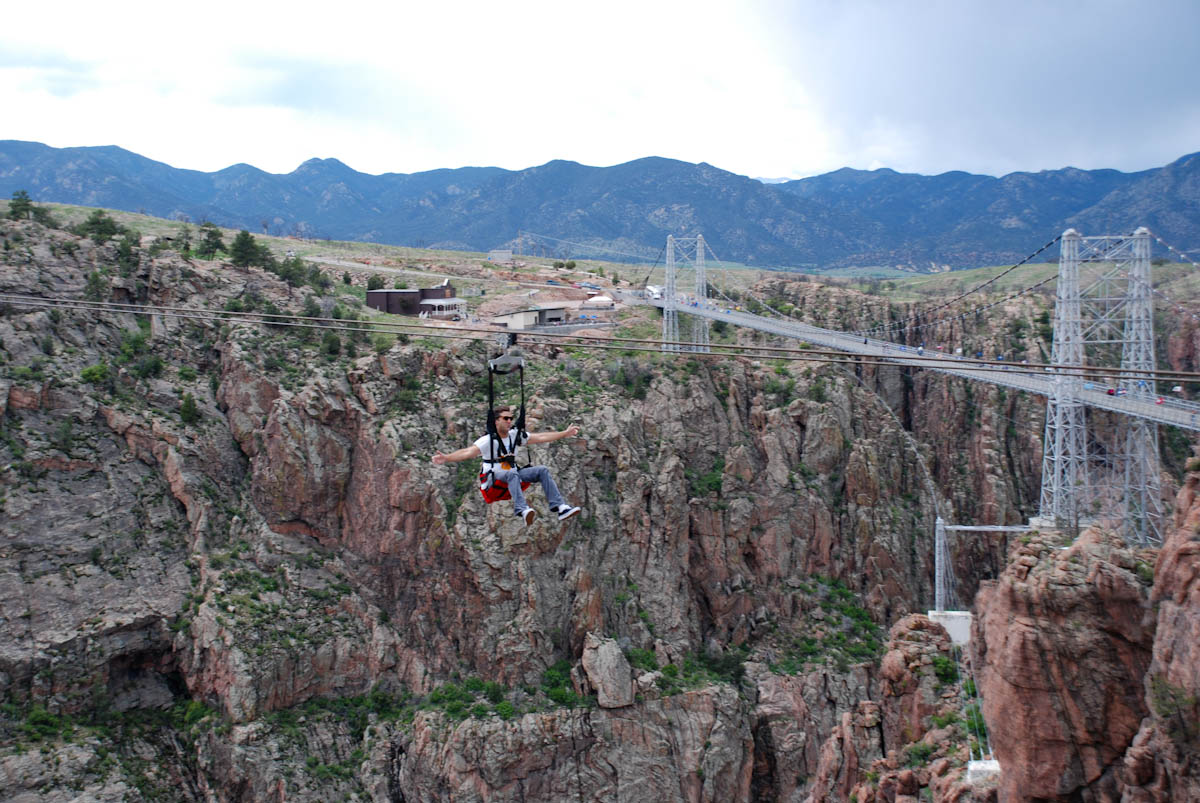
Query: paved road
{"type": "Point", "coordinates": [1171, 411]}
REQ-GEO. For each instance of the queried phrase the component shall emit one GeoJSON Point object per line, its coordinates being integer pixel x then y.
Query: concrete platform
{"type": "Point", "coordinates": [957, 624]}
{"type": "Point", "coordinates": [980, 771]}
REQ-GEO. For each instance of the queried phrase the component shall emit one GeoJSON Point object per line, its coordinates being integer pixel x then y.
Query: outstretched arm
{"type": "Point", "coordinates": [547, 437]}
{"type": "Point", "coordinates": [457, 456]}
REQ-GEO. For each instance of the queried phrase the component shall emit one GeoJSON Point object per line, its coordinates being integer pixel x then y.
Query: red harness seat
{"type": "Point", "coordinates": [498, 490]}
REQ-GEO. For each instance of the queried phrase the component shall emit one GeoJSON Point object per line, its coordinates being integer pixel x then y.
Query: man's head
{"type": "Point", "coordinates": [504, 419]}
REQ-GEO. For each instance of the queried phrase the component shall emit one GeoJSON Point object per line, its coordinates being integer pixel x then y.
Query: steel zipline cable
{"type": "Point", "coordinates": [571, 340]}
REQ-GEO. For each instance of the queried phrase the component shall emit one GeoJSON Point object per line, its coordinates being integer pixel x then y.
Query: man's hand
{"type": "Point", "coordinates": [571, 431]}
{"type": "Point", "coordinates": [439, 459]}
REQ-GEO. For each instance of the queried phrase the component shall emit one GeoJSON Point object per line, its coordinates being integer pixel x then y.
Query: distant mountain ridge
{"type": "Point", "coordinates": [847, 217]}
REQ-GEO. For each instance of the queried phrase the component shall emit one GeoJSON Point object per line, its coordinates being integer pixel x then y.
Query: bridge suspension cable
{"type": "Point", "coordinates": [918, 316]}
{"type": "Point", "coordinates": [978, 288]}
{"type": "Point", "coordinates": [585, 246]}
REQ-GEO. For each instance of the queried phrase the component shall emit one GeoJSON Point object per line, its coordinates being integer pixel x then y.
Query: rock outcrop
{"type": "Point", "coordinates": [608, 672]}
{"type": "Point", "coordinates": [1164, 761]}
{"type": "Point", "coordinates": [1063, 644]}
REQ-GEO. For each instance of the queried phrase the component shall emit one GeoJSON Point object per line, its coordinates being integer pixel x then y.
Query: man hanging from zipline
{"type": "Point", "coordinates": [500, 477]}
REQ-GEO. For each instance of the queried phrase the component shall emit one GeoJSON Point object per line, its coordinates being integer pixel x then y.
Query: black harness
{"type": "Point", "coordinates": [501, 366]}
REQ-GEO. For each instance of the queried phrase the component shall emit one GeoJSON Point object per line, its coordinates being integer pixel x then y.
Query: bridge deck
{"type": "Point", "coordinates": [1171, 411]}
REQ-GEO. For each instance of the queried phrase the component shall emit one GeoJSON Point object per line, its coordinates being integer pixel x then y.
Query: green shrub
{"type": "Point", "coordinates": [95, 374]}
{"type": "Point", "coordinates": [148, 366]}
{"type": "Point", "coordinates": [195, 711]}
{"type": "Point", "coordinates": [945, 669]}
{"type": "Point", "coordinates": [556, 684]}
{"type": "Point", "coordinates": [729, 666]}
{"type": "Point", "coordinates": [27, 373]}
{"type": "Point", "coordinates": [132, 345]}
{"type": "Point", "coordinates": [643, 659]}
{"type": "Point", "coordinates": [709, 482]}
{"type": "Point", "coordinates": [918, 754]}
{"type": "Point", "coordinates": [976, 727]}
{"type": "Point", "coordinates": [944, 720]}
{"type": "Point", "coordinates": [816, 391]}
{"type": "Point", "coordinates": [97, 287]}
{"type": "Point", "coordinates": [331, 344]}
{"type": "Point", "coordinates": [504, 710]}
{"type": "Point", "coordinates": [375, 282]}
{"type": "Point", "coordinates": [63, 438]}
{"type": "Point", "coordinates": [41, 725]}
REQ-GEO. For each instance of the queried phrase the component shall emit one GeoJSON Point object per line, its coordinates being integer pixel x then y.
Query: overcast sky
{"type": "Point", "coordinates": [761, 88]}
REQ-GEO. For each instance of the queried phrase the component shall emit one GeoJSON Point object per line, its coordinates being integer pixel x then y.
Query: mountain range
{"type": "Point", "coordinates": [844, 218]}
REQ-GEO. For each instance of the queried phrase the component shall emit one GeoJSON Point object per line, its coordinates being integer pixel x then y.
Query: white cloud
{"type": "Point", "coordinates": [760, 88]}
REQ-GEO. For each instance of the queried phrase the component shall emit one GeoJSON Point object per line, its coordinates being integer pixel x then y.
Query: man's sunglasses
{"type": "Point", "coordinates": [506, 418]}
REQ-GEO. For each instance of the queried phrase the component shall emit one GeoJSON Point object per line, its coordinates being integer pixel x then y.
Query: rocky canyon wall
{"type": "Point", "coordinates": [279, 596]}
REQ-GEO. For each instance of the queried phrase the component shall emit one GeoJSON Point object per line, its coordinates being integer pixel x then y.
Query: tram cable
{"type": "Point", "coordinates": [584, 341]}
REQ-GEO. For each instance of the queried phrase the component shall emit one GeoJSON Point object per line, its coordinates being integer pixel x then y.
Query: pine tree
{"type": "Point", "coordinates": [188, 410]}
{"type": "Point", "coordinates": [244, 251]}
{"type": "Point", "coordinates": [211, 242]}
{"type": "Point", "coordinates": [20, 206]}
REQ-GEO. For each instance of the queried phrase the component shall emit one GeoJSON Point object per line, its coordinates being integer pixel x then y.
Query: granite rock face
{"type": "Point", "coordinates": [283, 599]}
{"type": "Point", "coordinates": [1163, 762]}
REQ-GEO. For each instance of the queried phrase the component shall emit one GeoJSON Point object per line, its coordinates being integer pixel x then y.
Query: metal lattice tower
{"type": "Point", "coordinates": [1106, 319]}
{"type": "Point", "coordinates": [670, 337]}
{"type": "Point", "coordinates": [670, 331]}
{"type": "Point", "coordinates": [1142, 497]}
{"type": "Point", "coordinates": [1064, 449]}
{"type": "Point", "coordinates": [699, 324]}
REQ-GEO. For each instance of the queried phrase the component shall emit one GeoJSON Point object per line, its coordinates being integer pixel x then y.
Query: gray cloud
{"type": "Point", "coordinates": [996, 87]}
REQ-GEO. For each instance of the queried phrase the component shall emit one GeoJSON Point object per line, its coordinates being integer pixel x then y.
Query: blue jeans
{"type": "Point", "coordinates": [541, 474]}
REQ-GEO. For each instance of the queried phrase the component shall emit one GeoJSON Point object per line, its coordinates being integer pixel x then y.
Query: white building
{"type": "Point", "coordinates": [534, 316]}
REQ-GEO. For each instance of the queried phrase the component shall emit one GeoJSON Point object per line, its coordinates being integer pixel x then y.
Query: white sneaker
{"type": "Point", "coordinates": [527, 515]}
{"type": "Point", "coordinates": [567, 511]}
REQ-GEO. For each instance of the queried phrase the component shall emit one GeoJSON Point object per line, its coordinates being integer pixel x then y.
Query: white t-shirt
{"type": "Point", "coordinates": [509, 445]}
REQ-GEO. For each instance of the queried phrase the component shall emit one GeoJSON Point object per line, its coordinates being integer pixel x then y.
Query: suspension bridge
{"type": "Point", "coordinates": [1106, 319]}
{"type": "Point", "coordinates": [1110, 315]}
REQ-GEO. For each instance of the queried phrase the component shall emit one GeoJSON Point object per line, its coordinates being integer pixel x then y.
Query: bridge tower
{"type": "Point", "coordinates": [1142, 496]}
{"type": "Point", "coordinates": [700, 324]}
{"type": "Point", "coordinates": [670, 331]}
{"type": "Point", "coordinates": [1112, 309]}
{"type": "Point", "coordinates": [670, 334]}
{"type": "Point", "coordinates": [1064, 448]}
